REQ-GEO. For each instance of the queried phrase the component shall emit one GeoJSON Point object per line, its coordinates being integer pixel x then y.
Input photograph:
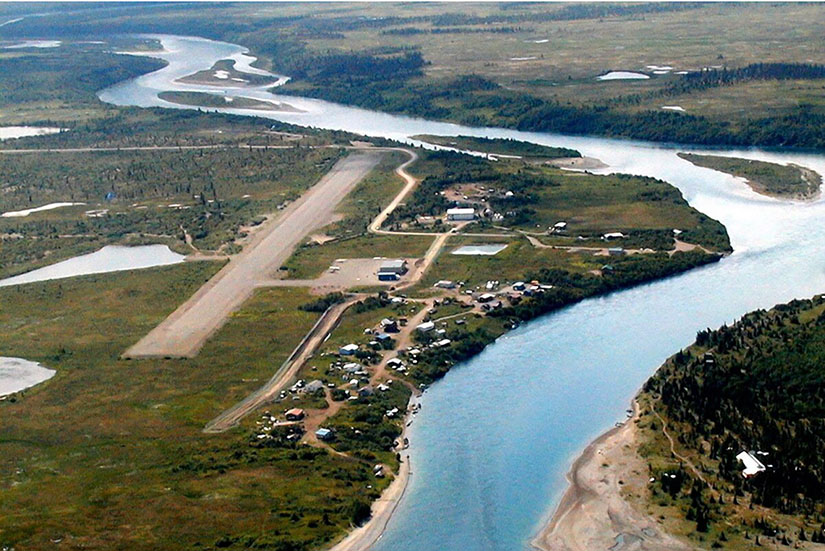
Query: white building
{"type": "Point", "coordinates": [752, 465]}
{"type": "Point", "coordinates": [426, 327]}
{"type": "Point", "coordinates": [461, 214]}
{"type": "Point", "coordinates": [348, 350]}
{"type": "Point", "coordinates": [393, 266]}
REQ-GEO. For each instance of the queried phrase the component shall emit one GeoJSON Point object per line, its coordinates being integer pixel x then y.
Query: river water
{"type": "Point", "coordinates": [496, 436]}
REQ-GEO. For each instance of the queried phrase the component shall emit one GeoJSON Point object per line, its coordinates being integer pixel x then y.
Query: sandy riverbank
{"type": "Point", "coordinates": [593, 513]}
{"type": "Point", "coordinates": [363, 537]}
{"type": "Point", "coordinates": [578, 163]}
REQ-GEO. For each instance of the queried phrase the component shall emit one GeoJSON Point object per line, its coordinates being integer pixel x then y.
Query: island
{"type": "Point", "coordinates": [205, 99]}
{"type": "Point", "coordinates": [789, 181]}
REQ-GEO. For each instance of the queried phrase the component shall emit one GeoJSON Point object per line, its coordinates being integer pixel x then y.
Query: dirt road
{"type": "Point", "coordinates": [184, 332]}
{"type": "Point", "coordinates": [326, 323]}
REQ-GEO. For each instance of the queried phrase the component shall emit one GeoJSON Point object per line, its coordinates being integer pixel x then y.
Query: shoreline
{"type": "Point", "coordinates": [593, 513]}
{"type": "Point", "coordinates": [363, 537]}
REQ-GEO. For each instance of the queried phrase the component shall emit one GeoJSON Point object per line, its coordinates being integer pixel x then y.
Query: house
{"type": "Point", "coordinates": [348, 350]}
{"type": "Point", "coordinates": [324, 434]}
{"type": "Point", "coordinates": [388, 276]}
{"type": "Point", "coordinates": [445, 284]}
{"type": "Point", "coordinates": [461, 214]}
{"type": "Point", "coordinates": [425, 327]}
{"type": "Point", "coordinates": [314, 386]}
{"type": "Point", "coordinates": [613, 235]}
{"type": "Point", "coordinates": [752, 465]}
{"type": "Point", "coordinates": [352, 367]}
{"type": "Point", "coordinates": [389, 326]}
{"type": "Point", "coordinates": [393, 266]}
{"type": "Point", "coordinates": [295, 414]}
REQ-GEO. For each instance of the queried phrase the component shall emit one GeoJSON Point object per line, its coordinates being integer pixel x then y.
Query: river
{"type": "Point", "coordinates": [496, 436]}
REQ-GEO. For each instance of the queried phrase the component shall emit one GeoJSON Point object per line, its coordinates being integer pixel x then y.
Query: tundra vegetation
{"type": "Point", "coordinates": [115, 448]}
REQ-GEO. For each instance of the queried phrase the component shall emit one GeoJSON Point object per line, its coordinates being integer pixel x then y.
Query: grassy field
{"type": "Point", "coordinates": [109, 454]}
{"type": "Point", "coordinates": [788, 181]}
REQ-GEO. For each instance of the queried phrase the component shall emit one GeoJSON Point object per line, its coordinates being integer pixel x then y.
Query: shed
{"type": "Point", "coordinates": [445, 284]}
{"type": "Point", "coordinates": [615, 251]}
{"type": "Point", "coordinates": [295, 414]}
{"type": "Point", "coordinates": [314, 386]}
{"type": "Point", "coordinates": [351, 367]}
{"type": "Point", "coordinates": [382, 337]}
{"type": "Point", "coordinates": [389, 326]}
{"type": "Point", "coordinates": [425, 327]}
{"type": "Point", "coordinates": [348, 350]}
{"type": "Point", "coordinates": [388, 276]}
{"type": "Point", "coordinates": [324, 434]}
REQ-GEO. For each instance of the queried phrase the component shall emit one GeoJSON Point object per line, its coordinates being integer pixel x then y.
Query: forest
{"type": "Point", "coordinates": [757, 385]}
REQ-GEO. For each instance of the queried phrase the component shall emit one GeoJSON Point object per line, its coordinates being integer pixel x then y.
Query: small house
{"type": "Point", "coordinates": [388, 276]}
{"type": "Point", "coordinates": [752, 465]}
{"type": "Point", "coordinates": [324, 434]}
{"type": "Point", "coordinates": [295, 414]}
{"type": "Point", "coordinates": [383, 337]}
{"type": "Point", "coordinates": [445, 284]}
{"type": "Point", "coordinates": [352, 367]}
{"type": "Point", "coordinates": [389, 326]}
{"type": "Point", "coordinates": [486, 297]}
{"type": "Point", "coordinates": [365, 391]}
{"type": "Point", "coordinates": [560, 227]}
{"type": "Point", "coordinates": [314, 386]}
{"type": "Point", "coordinates": [615, 251]}
{"type": "Point", "coordinates": [613, 235]}
{"type": "Point", "coordinates": [425, 327]}
{"type": "Point", "coordinates": [461, 214]}
{"type": "Point", "coordinates": [348, 350]}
